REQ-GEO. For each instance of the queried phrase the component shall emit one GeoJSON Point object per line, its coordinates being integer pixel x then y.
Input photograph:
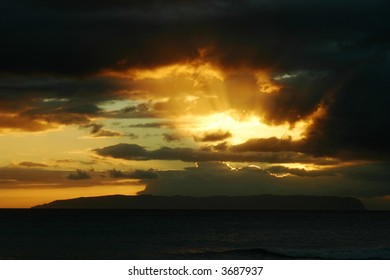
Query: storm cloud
{"type": "Point", "coordinates": [139, 153]}
{"type": "Point", "coordinates": [332, 55]}
{"type": "Point", "coordinates": [250, 32]}
{"type": "Point", "coordinates": [215, 178]}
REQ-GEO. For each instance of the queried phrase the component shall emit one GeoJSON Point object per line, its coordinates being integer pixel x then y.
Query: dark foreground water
{"type": "Point", "coordinates": [134, 234]}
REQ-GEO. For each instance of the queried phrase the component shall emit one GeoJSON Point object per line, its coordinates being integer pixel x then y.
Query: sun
{"type": "Point", "coordinates": [240, 128]}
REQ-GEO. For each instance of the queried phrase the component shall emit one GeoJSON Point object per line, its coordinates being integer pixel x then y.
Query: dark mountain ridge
{"type": "Point", "coordinates": [258, 202]}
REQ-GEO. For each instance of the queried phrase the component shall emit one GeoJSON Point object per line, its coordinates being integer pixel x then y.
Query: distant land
{"type": "Point", "coordinates": [259, 202]}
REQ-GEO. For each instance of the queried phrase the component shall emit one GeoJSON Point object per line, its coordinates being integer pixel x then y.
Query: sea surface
{"type": "Point", "coordinates": [185, 234]}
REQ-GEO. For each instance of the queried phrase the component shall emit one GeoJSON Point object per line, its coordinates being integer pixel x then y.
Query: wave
{"type": "Point", "coordinates": [239, 254]}
{"type": "Point", "coordinates": [380, 253]}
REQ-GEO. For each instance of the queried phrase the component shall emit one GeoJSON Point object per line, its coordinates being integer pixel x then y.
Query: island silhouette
{"type": "Point", "coordinates": [257, 202]}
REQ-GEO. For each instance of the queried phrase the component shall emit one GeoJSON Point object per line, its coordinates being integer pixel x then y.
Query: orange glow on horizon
{"type": "Point", "coordinates": [26, 198]}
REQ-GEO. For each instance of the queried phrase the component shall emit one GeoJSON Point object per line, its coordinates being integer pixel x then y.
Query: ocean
{"type": "Point", "coordinates": [193, 234]}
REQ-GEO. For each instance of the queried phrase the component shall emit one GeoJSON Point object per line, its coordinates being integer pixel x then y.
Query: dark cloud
{"type": "Point", "coordinates": [213, 136]}
{"type": "Point", "coordinates": [55, 93]}
{"type": "Point", "coordinates": [95, 127]}
{"type": "Point", "coordinates": [23, 123]}
{"type": "Point", "coordinates": [98, 131]}
{"type": "Point", "coordinates": [251, 32]}
{"type": "Point", "coordinates": [136, 174]}
{"type": "Point", "coordinates": [271, 144]}
{"type": "Point", "coordinates": [79, 175]}
{"type": "Point", "coordinates": [142, 110]}
{"type": "Point", "coordinates": [221, 146]}
{"type": "Point", "coordinates": [151, 125]}
{"type": "Point", "coordinates": [374, 172]}
{"type": "Point", "coordinates": [87, 109]}
{"type": "Point", "coordinates": [116, 173]}
{"type": "Point", "coordinates": [170, 137]}
{"type": "Point", "coordinates": [132, 136]}
{"type": "Point", "coordinates": [62, 161]}
{"type": "Point", "coordinates": [355, 126]}
{"type": "Point", "coordinates": [21, 177]}
{"type": "Point", "coordinates": [107, 133]}
{"type": "Point", "coordinates": [136, 152]}
{"type": "Point", "coordinates": [127, 151]}
{"type": "Point", "coordinates": [219, 179]}
{"type": "Point", "coordinates": [32, 164]}
{"type": "Point", "coordinates": [144, 174]}
{"type": "Point", "coordinates": [301, 92]}
{"type": "Point", "coordinates": [55, 99]}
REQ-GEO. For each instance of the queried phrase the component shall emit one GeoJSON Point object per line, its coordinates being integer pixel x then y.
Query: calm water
{"type": "Point", "coordinates": [134, 234]}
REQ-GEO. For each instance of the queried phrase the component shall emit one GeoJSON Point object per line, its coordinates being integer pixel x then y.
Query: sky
{"type": "Point", "coordinates": [194, 98]}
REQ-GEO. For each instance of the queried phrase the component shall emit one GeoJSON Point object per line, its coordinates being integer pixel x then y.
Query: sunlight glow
{"type": "Point", "coordinates": [265, 83]}
{"type": "Point", "coordinates": [241, 129]}
{"type": "Point", "coordinates": [201, 99]}
{"type": "Point", "coordinates": [306, 166]}
{"type": "Point", "coordinates": [28, 197]}
{"type": "Point", "coordinates": [195, 68]}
